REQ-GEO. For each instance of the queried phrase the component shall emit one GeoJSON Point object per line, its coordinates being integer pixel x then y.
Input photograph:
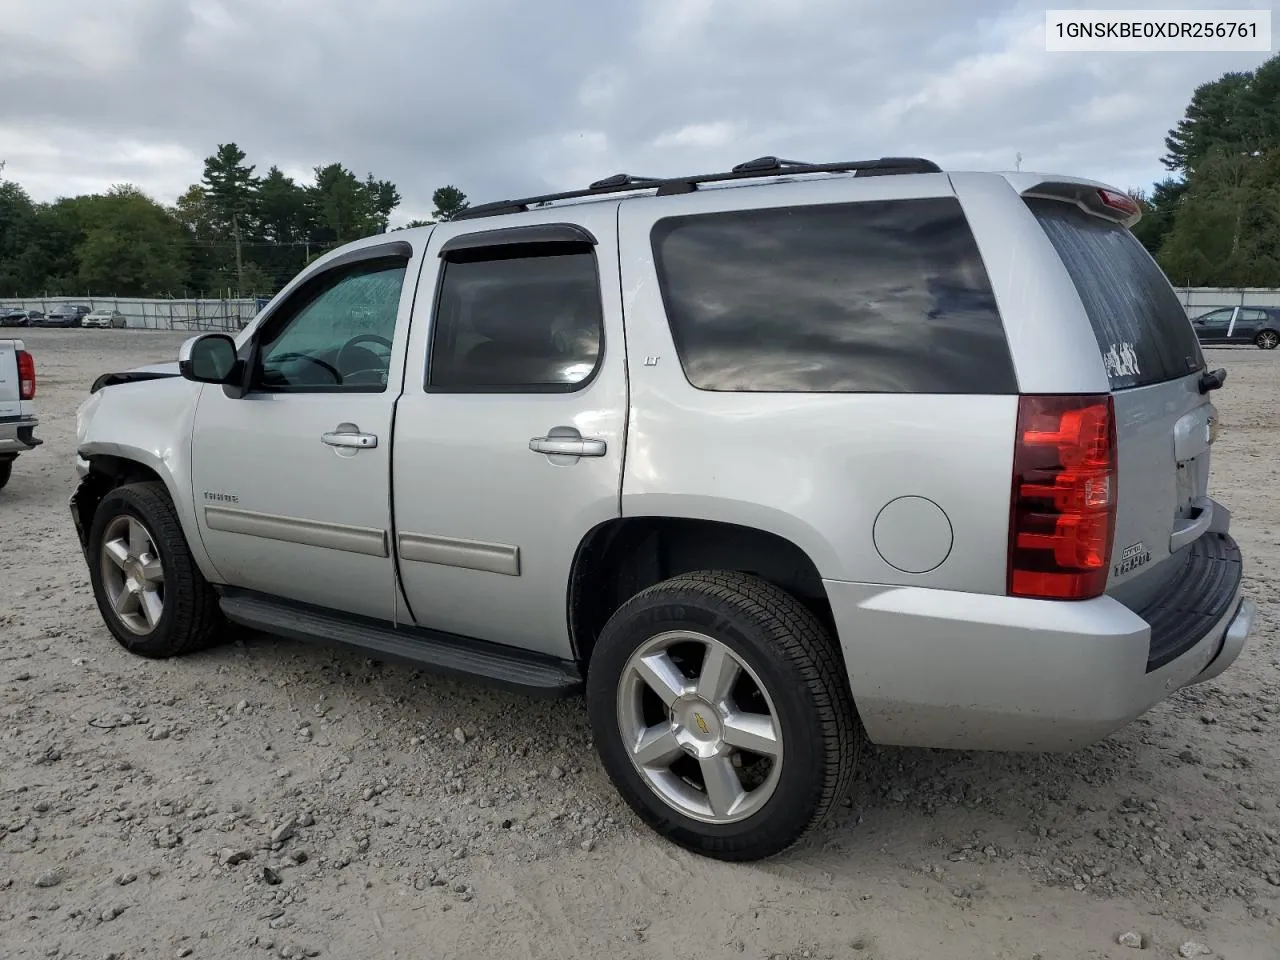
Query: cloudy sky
{"type": "Point", "coordinates": [502, 97]}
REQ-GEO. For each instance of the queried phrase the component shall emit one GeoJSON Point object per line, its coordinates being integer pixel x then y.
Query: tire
{"type": "Point", "coordinates": [6, 471]}
{"type": "Point", "coordinates": [1267, 339]}
{"type": "Point", "coordinates": [189, 618]}
{"type": "Point", "coordinates": [789, 668]}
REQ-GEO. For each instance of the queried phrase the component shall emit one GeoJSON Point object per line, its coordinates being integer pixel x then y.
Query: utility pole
{"type": "Point", "coordinates": [235, 229]}
{"type": "Point", "coordinates": [1017, 163]}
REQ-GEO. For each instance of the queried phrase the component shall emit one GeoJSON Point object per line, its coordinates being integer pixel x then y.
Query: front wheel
{"type": "Point", "coordinates": [150, 593]}
{"type": "Point", "coordinates": [6, 471]}
{"type": "Point", "coordinates": [1267, 340]}
{"type": "Point", "coordinates": [721, 711]}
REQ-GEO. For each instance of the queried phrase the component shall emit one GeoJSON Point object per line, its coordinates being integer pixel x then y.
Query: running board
{"type": "Point", "coordinates": [443, 653]}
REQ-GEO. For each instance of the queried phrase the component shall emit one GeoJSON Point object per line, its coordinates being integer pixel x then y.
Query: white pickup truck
{"type": "Point", "coordinates": [17, 411]}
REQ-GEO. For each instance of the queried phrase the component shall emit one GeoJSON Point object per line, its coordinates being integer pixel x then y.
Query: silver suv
{"type": "Point", "coordinates": [765, 462]}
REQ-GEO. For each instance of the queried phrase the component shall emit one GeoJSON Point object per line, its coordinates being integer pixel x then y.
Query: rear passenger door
{"type": "Point", "coordinates": [1249, 321]}
{"type": "Point", "coordinates": [509, 435]}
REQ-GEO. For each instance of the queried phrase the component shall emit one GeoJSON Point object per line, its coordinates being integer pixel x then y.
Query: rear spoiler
{"type": "Point", "coordinates": [1093, 198]}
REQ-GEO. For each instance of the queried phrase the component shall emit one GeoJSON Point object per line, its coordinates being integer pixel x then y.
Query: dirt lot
{"type": "Point", "coordinates": [273, 799]}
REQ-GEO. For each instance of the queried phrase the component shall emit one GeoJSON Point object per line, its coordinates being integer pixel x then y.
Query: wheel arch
{"type": "Point", "coordinates": [115, 466]}
{"type": "Point", "coordinates": [617, 559]}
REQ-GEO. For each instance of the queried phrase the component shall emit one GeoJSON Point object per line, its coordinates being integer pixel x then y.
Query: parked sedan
{"type": "Point", "coordinates": [104, 318]}
{"type": "Point", "coordinates": [67, 315]}
{"type": "Point", "coordinates": [13, 317]}
{"type": "Point", "coordinates": [1257, 325]}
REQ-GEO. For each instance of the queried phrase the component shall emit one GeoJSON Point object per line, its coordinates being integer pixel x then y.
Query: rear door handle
{"type": "Point", "coordinates": [569, 446]}
{"type": "Point", "coordinates": [358, 441]}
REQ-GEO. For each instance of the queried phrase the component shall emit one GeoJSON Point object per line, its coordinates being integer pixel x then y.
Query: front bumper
{"type": "Point", "coordinates": [17, 435]}
{"type": "Point", "coordinates": [938, 668]}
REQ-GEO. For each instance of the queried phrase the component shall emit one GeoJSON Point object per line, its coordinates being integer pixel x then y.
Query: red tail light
{"type": "Point", "coordinates": [26, 376]}
{"type": "Point", "coordinates": [1063, 512]}
{"type": "Point", "coordinates": [1119, 201]}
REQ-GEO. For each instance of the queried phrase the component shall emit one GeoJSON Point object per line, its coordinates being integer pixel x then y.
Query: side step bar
{"type": "Point", "coordinates": [443, 653]}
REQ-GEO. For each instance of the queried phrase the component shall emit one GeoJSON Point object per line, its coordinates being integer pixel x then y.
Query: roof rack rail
{"type": "Point", "coordinates": [666, 186]}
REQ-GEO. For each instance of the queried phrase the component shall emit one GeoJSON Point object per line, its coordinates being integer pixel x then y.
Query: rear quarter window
{"type": "Point", "coordinates": [1142, 330]}
{"type": "Point", "coordinates": [877, 297]}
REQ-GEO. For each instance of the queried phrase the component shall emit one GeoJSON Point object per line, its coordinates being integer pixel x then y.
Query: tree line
{"type": "Point", "coordinates": [1214, 221]}
{"type": "Point", "coordinates": [234, 230]}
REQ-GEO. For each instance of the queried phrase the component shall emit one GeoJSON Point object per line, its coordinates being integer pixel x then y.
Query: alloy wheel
{"type": "Point", "coordinates": [699, 727]}
{"type": "Point", "coordinates": [132, 574]}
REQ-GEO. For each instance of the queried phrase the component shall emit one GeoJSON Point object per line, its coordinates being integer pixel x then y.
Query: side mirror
{"type": "Point", "coordinates": [210, 358]}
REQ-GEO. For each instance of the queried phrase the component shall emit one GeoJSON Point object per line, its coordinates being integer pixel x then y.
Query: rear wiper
{"type": "Point", "coordinates": [1212, 379]}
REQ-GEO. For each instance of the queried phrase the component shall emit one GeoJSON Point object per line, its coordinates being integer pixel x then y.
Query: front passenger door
{"type": "Point", "coordinates": [1213, 327]}
{"type": "Point", "coordinates": [292, 479]}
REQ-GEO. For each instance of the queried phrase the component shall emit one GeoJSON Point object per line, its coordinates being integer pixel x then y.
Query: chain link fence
{"type": "Point", "coordinates": [228, 315]}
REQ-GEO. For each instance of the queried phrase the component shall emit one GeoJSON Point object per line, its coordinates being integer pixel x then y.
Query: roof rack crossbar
{"type": "Point", "coordinates": [760, 167]}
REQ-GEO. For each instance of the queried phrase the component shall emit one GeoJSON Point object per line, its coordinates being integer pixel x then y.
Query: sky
{"type": "Point", "coordinates": [513, 97]}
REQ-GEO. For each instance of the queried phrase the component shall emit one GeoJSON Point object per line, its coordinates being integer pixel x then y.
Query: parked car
{"type": "Point", "coordinates": [1257, 325]}
{"type": "Point", "coordinates": [66, 315]}
{"type": "Point", "coordinates": [896, 455]}
{"type": "Point", "coordinates": [18, 317]}
{"type": "Point", "coordinates": [104, 318]}
{"type": "Point", "coordinates": [18, 419]}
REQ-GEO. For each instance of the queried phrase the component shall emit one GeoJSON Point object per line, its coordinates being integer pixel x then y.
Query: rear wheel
{"type": "Point", "coordinates": [1267, 340]}
{"type": "Point", "coordinates": [721, 711]}
{"type": "Point", "coordinates": [150, 593]}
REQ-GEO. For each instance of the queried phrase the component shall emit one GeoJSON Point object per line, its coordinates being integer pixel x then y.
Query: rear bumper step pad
{"type": "Point", "coordinates": [1197, 597]}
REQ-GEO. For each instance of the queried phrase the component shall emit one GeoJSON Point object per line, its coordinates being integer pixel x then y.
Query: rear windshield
{"type": "Point", "coordinates": [875, 296]}
{"type": "Point", "coordinates": [1142, 330]}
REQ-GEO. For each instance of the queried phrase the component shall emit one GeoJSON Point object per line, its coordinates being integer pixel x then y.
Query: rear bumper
{"type": "Point", "coordinates": [17, 435]}
{"type": "Point", "coordinates": [937, 668]}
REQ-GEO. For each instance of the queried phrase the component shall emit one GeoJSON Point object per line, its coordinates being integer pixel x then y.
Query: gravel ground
{"type": "Point", "coordinates": [272, 799]}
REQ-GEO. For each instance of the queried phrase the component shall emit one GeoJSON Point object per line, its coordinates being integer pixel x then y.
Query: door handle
{"type": "Point", "coordinates": [1186, 530]}
{"type": "Point", "coordinates": [569, 446]}
{"type": "Point", "coordinates": [358, 441]}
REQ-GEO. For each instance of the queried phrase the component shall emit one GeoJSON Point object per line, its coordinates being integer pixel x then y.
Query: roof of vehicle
{"type": "Point", "coordinates": [773, 171]}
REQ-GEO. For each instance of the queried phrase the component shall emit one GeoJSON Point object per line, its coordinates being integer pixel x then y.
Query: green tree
{"type": "Point", "coordinates": [1219, 223]}
{"type": "Point", "coordinates": [449, 201]}
{"type": "Point", "coordinates": [283, 214]}
{"type": "Point", "coordinates": [1159, 210]}
{"type": "Point", "coordinates": [1227, 231]}
{"type": "Point", "coordinates": [383, 199]}
{"type": "Point", "coordinates": [231, 189]}
{"type": "Point", "coordinates": [1212, 119]}
{"type": "Point", "coordinates": [132, 246]}
{"type": "Point", "coordinates": [20, 270]}
{"type": "Point", "coordinates": [286, 225]}
{"type": "Point", "coordinates": [347, 208]}
{"type": "Point", "coordinates": [230, 186]}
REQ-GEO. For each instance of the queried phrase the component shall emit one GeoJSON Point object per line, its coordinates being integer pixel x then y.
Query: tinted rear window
{"type": "Point", "coordinates": [880, 296]}
{"type": "Point", "coordinates": [1142, 330]}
